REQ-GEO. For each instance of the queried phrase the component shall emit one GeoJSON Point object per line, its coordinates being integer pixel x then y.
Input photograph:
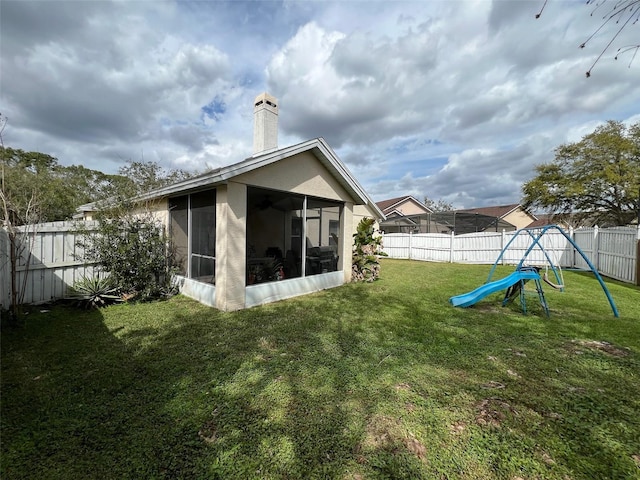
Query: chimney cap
{"type": "Point", "coordinates": [265, 99]}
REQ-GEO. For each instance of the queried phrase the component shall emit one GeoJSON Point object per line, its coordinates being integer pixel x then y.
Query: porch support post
{"type": "Point", "coordinates": [231, 246]}
{"type": "Point", "coordinates": [345, 241]}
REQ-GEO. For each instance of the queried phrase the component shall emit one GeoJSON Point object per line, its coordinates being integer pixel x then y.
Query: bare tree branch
{"type": "Point", "coordinates": [623, 12]}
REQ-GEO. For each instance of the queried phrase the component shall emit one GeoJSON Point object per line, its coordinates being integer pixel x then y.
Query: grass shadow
{"type": "Point", "coordinates": [383, 380]}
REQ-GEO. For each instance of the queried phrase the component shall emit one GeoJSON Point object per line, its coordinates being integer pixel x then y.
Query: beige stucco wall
{"type": "Point", "coordinates": [410, 207]}
{"type": "Point", "coordinates": [360, 212]}
{"type": "Point", "coordinates": [302, 173]}
{"type": "Point", "coordinates": [519, 218]}
{"type": "Point", "coordinates": [231, 255]}
{"type": "Point", "coordinates": [159, 208]}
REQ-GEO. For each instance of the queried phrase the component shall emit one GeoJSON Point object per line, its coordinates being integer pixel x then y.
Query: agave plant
{"type": "Point", "coordinates": [95, 292]}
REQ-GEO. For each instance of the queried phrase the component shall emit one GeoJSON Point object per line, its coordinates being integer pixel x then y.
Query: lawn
{"type": "Point", "coordinates": [365, 381]}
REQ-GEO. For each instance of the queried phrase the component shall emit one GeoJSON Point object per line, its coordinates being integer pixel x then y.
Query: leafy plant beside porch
{"type": "Point", "coordinates": [367, 248]}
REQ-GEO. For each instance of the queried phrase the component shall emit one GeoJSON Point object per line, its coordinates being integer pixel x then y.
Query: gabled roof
{"type": "Point", "coordinates": [388, 206]}
{"type": "Point", "coordinates": [500, 211]}
{"type": "Point", "coordinates": [542, 220]}
{"type": "Point", "coordinates": [318, 147]}
{"type": "Point", "coordinates": [385, 204]}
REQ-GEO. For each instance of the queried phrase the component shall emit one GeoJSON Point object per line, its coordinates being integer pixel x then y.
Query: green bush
{"type": "Point", "coordinates": [135, 251]}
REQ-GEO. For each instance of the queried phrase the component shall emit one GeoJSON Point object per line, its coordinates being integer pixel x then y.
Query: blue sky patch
{"type": "Point", "coordinates": [214, 109]}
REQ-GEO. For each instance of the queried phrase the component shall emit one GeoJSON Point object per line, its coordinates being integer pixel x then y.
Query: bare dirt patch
{"type": "Point", "coordinates": [488, 307]}
{"type": "Point", "coordinates": [493, 384]}
{"type": "Point", "coordinates": [493, 411]}
{"type": "Point", "coordinates": [416, 447]}
{"type": "Point", "coordinates": [457, 428]}
{"type": "Point", "coordinates": [386, 433]}
{"type": "Point", "coordinates": [208, 432]}
{"type": "Point", "coordinates": [579, 346]}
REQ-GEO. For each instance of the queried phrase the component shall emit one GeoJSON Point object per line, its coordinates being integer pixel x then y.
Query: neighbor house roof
{"type": "Point", "coordinates": [318, 147]}
{"type": "Point", "coordinates": [389, 206]}
{"type": "Point", "coordinates": [542, 220]}
{"type": "Point", "coordinates": [499, 211]}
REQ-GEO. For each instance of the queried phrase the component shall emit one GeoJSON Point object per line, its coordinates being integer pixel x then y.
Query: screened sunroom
{"type": "Point", "coordinates": [290, 235]}
{"type": "Point", "coordinates": [271, 227]}
{"type": "Point", "coordinates": [275, 225]}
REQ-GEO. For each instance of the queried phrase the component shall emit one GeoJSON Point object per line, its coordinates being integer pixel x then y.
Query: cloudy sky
{"type": "Point", "coordinates": [455, 100]}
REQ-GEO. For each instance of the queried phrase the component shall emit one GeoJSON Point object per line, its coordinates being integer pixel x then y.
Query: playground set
{"type": "Point", "coordinates": [514, 284]}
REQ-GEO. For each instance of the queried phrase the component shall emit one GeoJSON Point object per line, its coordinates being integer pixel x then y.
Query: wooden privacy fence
{"type": "Point", "coordinates": [48, 262]}
{"type": "Point", "coordinates": [613, 251]}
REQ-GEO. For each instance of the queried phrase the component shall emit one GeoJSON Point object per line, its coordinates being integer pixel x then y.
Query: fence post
{"type": "Point", "coordinates": [4, 258]}
{"type": "Point", "coordinates": [572, 260]}
{"type": "Point", "coordinates": [410, 245]}
{"type": "Point", "coordinates": [638, 256]}
{"type": "Point", "coordinates": [451, 246]}
{"type": "Point", "coordinates": [596, 248]}
{"type": "Point", "coordinates": [503, 242]}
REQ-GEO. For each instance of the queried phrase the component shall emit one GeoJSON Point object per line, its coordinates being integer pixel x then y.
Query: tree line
{"type": "Point", "coordinates": [597, 178]}
{"type": "Point", "coordinates": [37, 188]}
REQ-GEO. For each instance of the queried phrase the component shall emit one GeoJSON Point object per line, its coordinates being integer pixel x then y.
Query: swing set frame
{"type": "Point", "coordinates": [535, 235]}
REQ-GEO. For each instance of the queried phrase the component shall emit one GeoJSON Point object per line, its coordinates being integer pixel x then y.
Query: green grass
{"type": "Point", "coordinates": [382, 380]}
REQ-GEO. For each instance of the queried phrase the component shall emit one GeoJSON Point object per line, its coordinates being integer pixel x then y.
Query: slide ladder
{"type": "Point", "coordinates": [517, 289]}
{"type": "Point", "coordinates": [513, 284]}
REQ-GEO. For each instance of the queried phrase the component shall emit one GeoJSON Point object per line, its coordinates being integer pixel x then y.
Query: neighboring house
{"type": "Point", "coordinates": [545, 219]}
{"type": "Point", "coordinates": [404, 214]}
{"type": "Point", "coordinates": [275, 225]}
{"type": "Point", "coordinates": [504, 216]}
{"type": "Point", "coordinates": [402, 206]}
{"type": "Point", "coordinates": [492, 219]}
{"type": "Point", "coordinates": [575, 220]}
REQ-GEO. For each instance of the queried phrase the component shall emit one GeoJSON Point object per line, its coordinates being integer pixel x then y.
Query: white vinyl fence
{"type": "Point", "coordinates": [48, 264]}
{"type": "Point", "coordinates": [613, 251]}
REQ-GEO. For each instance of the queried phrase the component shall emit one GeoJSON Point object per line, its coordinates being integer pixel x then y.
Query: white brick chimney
{"type": "Point", "coordinates": [265, 123]}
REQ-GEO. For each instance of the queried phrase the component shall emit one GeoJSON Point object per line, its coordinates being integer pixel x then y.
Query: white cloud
{"type": "Point", "coordinates": [453, 100]}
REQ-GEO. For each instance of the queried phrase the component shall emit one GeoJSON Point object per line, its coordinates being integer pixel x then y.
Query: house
{"type": "Point", "coordinates": [496, 218]}
{"type": "Point", "coordinates": [275, 225]}
{"type": "Point", "coordinates": [402, 206]}
{"type": "Point", "coordinates": [404, 214]}
{"type": "Point", "coordinates": [545, 219]}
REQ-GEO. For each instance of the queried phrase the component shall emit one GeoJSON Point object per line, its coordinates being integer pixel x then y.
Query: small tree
{"type": "Point", "coordinates": [19, 216]}
{"type": "Point", "coordinates": [367, 247]}
{"type": "Point", "coordinates": [437, 205]}
{"type": "Point", "coordinates": [130, 243]}
{"type": "Point", "coordinates": [135, 251]}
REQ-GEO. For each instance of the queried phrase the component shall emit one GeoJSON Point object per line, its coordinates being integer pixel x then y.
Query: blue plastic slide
{"type": "Point", "coordinates": [468, 299]}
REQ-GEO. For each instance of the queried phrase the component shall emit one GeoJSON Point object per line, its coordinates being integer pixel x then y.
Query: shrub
{"type": "Point", "coordinates": [95, 292]}
{"type": "Point", "coordinates": [367, 248]}
{"type": "Point", "coordinates": [134, 250]}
